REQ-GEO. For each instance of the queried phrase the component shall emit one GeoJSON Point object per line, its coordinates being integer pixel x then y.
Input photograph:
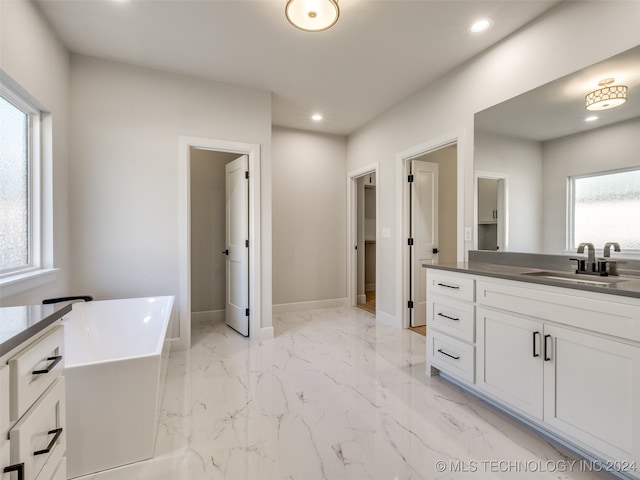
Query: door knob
{"type": "Point", "coordinates": [226, 252]}
{"type": "Point", "coordinates": [435, 250]}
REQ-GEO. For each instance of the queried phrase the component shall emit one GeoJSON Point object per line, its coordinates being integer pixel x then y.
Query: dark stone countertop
{"type": "Point", "coordinates": [19, 324]}
{"type": "Point", "coordinates": [623, 285]}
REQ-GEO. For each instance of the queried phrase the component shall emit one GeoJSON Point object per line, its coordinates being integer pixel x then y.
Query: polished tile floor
{"type": "Point", "coordinates": [332, 396]}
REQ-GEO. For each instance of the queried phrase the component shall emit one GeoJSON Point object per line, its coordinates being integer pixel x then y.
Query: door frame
{"type": "Point", "coordinates": [252, 150]}
{"type": "Point", "coordinates": [503, 206]}
{"type": "Point", "coordinates": [457, 138]}
{"type": "Point", "coordinates": [352, 228]}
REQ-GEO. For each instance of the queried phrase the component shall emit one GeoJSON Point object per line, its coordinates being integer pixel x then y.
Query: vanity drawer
{"type": "Point", "coordinates": [452, 356]}
{"type": "Point", "coordinates": [461, 287]}
{"type": "Point", "coordinates": [452, 317]}
{"type": "Point", "coordinates": [38, 439]}
{"type": "Point", "coordinates": [34, 369]}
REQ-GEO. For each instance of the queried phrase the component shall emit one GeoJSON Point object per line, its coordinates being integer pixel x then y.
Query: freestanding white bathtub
{"type": "Point", "coordinates": [115, 367]}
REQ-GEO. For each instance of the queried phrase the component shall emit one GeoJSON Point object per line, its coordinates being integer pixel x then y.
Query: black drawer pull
{"type": "Point", "coordinates": [58, 432]}
{"type": "Point", "coordinates": [448, 354]}
{"type": "Point", "coordinates": [546, 348]}
{"type": "Point", "coordinates": [455, 287]}
{"type": "Point", "coordinates": [448, 317]}
{"type": "Point", "coordinates": [18, 467]}
{"type": "Point", "coordinates": [55, 361]}
{"type": "Point", "coordinates": [535, 354]}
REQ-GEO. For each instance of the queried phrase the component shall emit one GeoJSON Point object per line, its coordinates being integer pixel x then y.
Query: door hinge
{"type": "Point", "coordinates": [246, 312]}
{"type": "Point", "coordinates": [410, 242]}
{"type": "Point", "coordinates": [410, 304]}
{"type": "Point", "coordinates": [246, 174]}
{"type": "Point", "coordinates": [410, 179]}
{"type": "Point", "coordinates": [246, 243]}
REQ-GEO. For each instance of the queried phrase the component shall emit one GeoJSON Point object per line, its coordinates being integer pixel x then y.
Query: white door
{"type": "Point", "coordinates": [424, 232]}
{"type": "Point", "coordinates": [237, 239]}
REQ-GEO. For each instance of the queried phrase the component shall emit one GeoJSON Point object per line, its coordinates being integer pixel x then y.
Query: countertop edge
{"type": "Point", "coordinates": [476, 269]}
{"type": "Point", "coordinates": [27, 333]}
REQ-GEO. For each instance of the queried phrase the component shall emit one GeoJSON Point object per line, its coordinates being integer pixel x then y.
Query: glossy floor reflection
{"type": "Point", "coordinates": [332, 396]}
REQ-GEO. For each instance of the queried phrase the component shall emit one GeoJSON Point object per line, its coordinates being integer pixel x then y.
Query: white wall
{"type": "Point", "coordinates": [521, 160]}
{"type": "Point", "coordinates": [33, 56]}
{"type": "Point", "coordinates": [556, 44]}
{"type": "Point", "coordinates": [599, 150]}
{"type": "Point", "coordinates": [126, 122]}
{"type": "Point", "coordinates": [309, 217]}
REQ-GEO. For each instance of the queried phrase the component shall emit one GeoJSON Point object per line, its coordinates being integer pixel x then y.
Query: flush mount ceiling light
{"type": "Point", "coordinates": [316, 117]}
{"type": "Point", "coordinates": [312, 15]}
{"type": "Point", "coordinates": [609, 96]}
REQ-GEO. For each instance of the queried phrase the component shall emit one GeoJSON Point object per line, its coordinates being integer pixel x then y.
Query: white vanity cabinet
{"type": "Point", "coordinates": [566, 360]}
{"type": "Point", "coordinates": [451, 324]}
{"type": "Point", "coordinates": [32, 409]}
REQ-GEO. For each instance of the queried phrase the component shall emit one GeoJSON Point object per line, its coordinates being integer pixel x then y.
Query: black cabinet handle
{"type": "Point", "coordinates": [58, 432]}
{"type": "Point", "coordinates": [535, 354]}
{"type": "Point", "coordinates": [455, 287]}
{"type": "Point", "coordinates": [546, 348]}
{"type": "Point", "coordinates": [448, 317]}
{"type": "Point", "coordinates": [18, 467]}
{"type": "Point", "coordinates": [448, 354]}
{"type": "Point", "coordinates": [55, 361]}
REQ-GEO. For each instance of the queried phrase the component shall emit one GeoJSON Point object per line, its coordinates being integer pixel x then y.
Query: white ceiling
{"type": "Point", "coordinates": [558, 109]}
{"type": "Point", "coordinates": [378, 53]}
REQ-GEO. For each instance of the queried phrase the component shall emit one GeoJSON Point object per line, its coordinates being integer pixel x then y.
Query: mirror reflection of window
{"type": "Point", "coordinates": [606, 208]}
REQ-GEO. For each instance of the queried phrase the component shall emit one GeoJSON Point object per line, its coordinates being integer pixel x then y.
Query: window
{"type": "Point", "coordinates": [19, 183]}
{"type": "Point", "coordinates": [605, 207]}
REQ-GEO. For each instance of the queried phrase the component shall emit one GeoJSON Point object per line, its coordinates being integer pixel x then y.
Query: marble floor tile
{"type": "Point", "coordinates": [334, 396]}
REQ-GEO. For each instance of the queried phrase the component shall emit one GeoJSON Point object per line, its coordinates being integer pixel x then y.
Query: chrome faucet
{"type": "Point", "coordinates": [607, 248]}
{"type": "Point", "coordinates": [591, 252]}
{"type": "Point", "coordinates": [587, 265]}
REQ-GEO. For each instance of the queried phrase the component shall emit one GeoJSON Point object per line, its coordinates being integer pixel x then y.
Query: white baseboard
{"type": "Point", "coordinates": [312, 305]}
{"type": "Point", "coordinates": [386, 319]}
{"type": "Point", "coordinates": [369, 287]}
{"type": "Point", "coordinates": [211, 316]}
{"type": "Point", "coordinates": [362, 299]}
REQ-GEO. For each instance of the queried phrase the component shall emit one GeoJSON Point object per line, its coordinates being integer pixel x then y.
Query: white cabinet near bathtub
{"type": "Point", "coordinates": [32, 408]}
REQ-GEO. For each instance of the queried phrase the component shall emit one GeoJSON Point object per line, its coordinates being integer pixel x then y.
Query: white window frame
{"type": "Point", "coordinates": [570, 247]}
{"type": "Point", "coordinates": [39, 269]}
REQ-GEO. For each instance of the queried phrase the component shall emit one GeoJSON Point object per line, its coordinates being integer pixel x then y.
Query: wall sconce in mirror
{"type": "Point", "coordinates": [609, 96]}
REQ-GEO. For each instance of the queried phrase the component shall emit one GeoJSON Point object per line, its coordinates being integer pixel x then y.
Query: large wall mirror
{"type": "Point", "coordinates": [530, 149]}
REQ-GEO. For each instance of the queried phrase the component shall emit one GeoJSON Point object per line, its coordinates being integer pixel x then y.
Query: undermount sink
{"type": "Point", "coordinates": [576, 278]}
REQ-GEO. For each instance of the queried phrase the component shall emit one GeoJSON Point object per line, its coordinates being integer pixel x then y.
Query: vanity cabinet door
{"type": "Point", "coordinates": [509, 360]}
{"type": "Point", "coordinates": [592, 388]}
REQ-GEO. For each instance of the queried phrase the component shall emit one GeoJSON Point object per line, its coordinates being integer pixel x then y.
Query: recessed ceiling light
{"type": "Point", "coordinates": [481, 25]}
{"type": "Point", "coordinates": [592, 118]}
{"type": "Point", "coordinates": [316, 117]}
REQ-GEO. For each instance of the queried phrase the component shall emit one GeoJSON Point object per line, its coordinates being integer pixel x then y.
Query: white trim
{"type": "Point", "coordinates": [388, 320]}
{"type": "Point", "coordinates": [458, 138]}
{"type": "Point", "coordinates": [311, 305]}
{"type": "Point", "coordinates": [24, 281]}
{"type": "Point", "coordinates": [352, 229]}
{"type": "Point", "coordinates": [184, 232]}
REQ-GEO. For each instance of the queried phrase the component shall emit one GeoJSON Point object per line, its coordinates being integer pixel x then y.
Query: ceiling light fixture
{"type": "Point", "coordinates": [609, 96]}
{"type": "Point", "coordinates": [481, 25]}
{"type": "Point", "coordinates": [592, 118]}
{"type": "Point", "coordinates": [316, 117]}
{"type": "Point", "coordinates": [312, 15]}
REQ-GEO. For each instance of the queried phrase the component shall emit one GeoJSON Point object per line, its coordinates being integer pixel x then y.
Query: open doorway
{"type": "Point", "coordinates": [491, 214]}
{"type": "Point", "coordinates": [431, 219]}
{"type": "Point", "coordinates": [362, 236]}
{"type": "Point", "coordinates": [366, 242]}
{"type": "Point", "coordinates": [253, 244]}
